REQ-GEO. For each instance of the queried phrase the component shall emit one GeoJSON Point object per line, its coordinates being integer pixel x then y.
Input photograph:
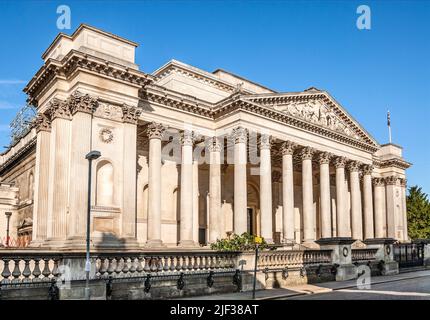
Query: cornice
{"type": "Point", "coordinates": [394, 163]}
{"type": "Point", "coordinates": [76, 60]}
{"type": "Point", "coordinates": [29, 147]}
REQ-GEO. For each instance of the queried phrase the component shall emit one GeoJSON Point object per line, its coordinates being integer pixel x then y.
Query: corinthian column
{"type": "Point", "coordinates": [324, 161]}
{"type": "Point", "coordinates": [356, 210]}
{"type": "Point", "coordinates": [240, 160]}
{"type": "Point", "coordinates": [186, 224]}
{"type": "Point", "coordinates": [379, 189]}
{"type": "Point", "coordinates": [266, 189]}
{"type": "Point", "coordinates": [368, 202]}
{"type": "Point", "coordinates": [155, 132]}
{"type": "Point", "coordinates": [288, 224]}
{"type": "Point", "coordinates": [309, 233]}
{"type": "Point", "coordinates": [403, 184]}
{"type": "Point", "coordinates": [343, 224]}
{"type": "Point", "coordinates": [215, 190]}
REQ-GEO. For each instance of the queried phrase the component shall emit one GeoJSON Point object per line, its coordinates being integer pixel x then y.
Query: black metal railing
{"type": "Point", "coordinates": [409, 254]}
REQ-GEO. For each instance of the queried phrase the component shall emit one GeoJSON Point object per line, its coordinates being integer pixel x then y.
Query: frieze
{"type": "Point", "coordinates": [108, 111]}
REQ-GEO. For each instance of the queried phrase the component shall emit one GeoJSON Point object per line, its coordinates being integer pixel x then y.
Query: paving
{"type": "Point", "coordinates": [406, 280]}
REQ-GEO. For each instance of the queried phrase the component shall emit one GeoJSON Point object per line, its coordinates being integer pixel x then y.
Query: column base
{"type": "Point", "coordinates": [310, 244]}
{"type": "Point", "coordinates": [188, 244]}
{"type": "Point", "coordinates": [154, 243]}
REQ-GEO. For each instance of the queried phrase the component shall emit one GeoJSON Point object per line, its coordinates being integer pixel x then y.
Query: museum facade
{"type": "Point", "coordinates": [189, 157]}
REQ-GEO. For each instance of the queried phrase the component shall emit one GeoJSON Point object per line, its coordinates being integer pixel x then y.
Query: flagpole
{"type": "Point", "coordinates": [389, 125]}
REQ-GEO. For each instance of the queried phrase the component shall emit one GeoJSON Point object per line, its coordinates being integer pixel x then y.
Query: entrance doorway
{"type": "Point", "coordinates": [250, 221]}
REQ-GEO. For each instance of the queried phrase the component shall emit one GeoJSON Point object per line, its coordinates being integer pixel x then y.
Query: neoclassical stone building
{"type": "Point", "coordinates": [189, 156]}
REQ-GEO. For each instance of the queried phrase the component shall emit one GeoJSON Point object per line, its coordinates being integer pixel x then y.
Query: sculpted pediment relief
{"type": "Point", "coordinates": [317, 112]}
{"type": "Point", "coordinates": [109, 111]}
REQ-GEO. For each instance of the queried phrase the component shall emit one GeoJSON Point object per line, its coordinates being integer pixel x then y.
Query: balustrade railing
{"type": "Point", "coordinates": [135, 265]}
{"type": "Point", "coordinates": [25, 267]}
{"type": "Point", "coordinates": [363, 255]}
{"type": "Point", "coordinates": [293, 258]}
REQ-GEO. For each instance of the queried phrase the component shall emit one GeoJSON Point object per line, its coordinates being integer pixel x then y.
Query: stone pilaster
{"type": "Point", "coordinates": [266, 189]}
{"type": "Point", "coordinates": [403, 184]}
{"type": "Point", "coordinates": [392, 197]}
{"type": "Point", "coordinates": [288, 224]}
{"type": "Point", "coordinates": [58, 185]}
{"type": "Point", "coordinates": [155, 132]}
{"type": "Point", "coordinates": [40, 219]}
{"type": "Point", "coordinates": [240, 136]}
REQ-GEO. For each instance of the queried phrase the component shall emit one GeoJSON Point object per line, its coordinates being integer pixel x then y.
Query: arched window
{"type": "Point", "coordinates": [104, 191]}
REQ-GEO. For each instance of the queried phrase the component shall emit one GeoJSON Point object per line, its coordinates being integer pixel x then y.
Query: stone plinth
{"type": "Point", "coordinates": [385, 253]}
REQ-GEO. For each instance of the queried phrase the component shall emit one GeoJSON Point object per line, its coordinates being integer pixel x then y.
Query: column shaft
{"type": "Point", "coordinates": [309, 220]}
{"type": "Point", "coordinates": [356, 209]}
{"type": "Point", "coordinates": [240, 183]}
{"type": "Point", "coordinates": [368, 203]}
{"type": "Point", "coordinates": [343, 224]}
{"type": "Point", "coordinates": [215, 191]}
{"type": "Point", "coordinates": [288, 224]}
{"type": "Point", "coordinates": [325, 207]}
{"type": "Point", "coordinates": [379, 186]}
{"type": "Point", "coordinates": [266, 190]}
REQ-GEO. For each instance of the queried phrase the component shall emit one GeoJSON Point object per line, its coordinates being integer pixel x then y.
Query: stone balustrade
{"type": "Point", "coordinates": [293, 258]}
{"type": "Point", "coordinates": [364, 255]}
{"type": "Point", "coordinates": [135, 265]}
{"type": "Point", "coordinates": [26, 267]}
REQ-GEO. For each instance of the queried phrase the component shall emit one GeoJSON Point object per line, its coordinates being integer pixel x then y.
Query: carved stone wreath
{"type": "Point", "coordinates": [106, 135]}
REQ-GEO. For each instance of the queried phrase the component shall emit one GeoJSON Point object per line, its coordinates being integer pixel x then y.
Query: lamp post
{"type": "Point", "coordinates": [93, 155]}
{"type": "Point", "coordinates": [8, 215]}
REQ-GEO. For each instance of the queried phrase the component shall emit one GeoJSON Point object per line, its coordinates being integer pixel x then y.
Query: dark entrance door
{"type": "Point", "coordinates": [250, 221]}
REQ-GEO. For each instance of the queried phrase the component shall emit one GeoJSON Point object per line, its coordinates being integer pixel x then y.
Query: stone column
{"type": "Point", "coordinates": [40, 219]}
{"type": "Point", "coordinates": [356, 209]}
{"type": "Point", "coordinates": [266, 189]}
{"type": "Point", "coordinates": [196, 202]}
{"type": "Point", "coordinates": [155, 132]}
{"type": "Point", "coordinates": [343, 224]}
{"type": "Point", "coordinates": [288, 224]}
{"type": "Point", "coordinates": [368, 202]}
{"type": "Point", "coordinates": [403, 184]}
{"type": "Point", "coordinates": [240, 184]}
{"type": "Point", "coordinates": [309, 220]}
{"type": "Point", "coordinates": [325, 205]}
{"type": "Point", "coordinates": [215, 190]}
{"type": "Point", "coordinates": [379, 188]}
{"type": "Point", "coordinates": [186, 224]}
{"type": "Point", "coordinates": [392, 210]}
{"type": "Point", "coordinates": [58, 189]}
{"type": "Point", "coordinates": [130, 116]}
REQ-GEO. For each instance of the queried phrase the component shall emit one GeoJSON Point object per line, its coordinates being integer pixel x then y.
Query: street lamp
{"type": "Point", "coordinates": [8, 215]}
{"type": "Point", "coordinates": [93, 155]}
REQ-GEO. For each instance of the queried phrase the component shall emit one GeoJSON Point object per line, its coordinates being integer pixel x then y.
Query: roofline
{"type": "Point", "coordinates": [242, 78]}
{"type": "Point", "coordinates": [86, 26]}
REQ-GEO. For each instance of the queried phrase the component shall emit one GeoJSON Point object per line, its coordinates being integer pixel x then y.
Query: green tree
{"type": "Point", "coordinates": [418, 208]}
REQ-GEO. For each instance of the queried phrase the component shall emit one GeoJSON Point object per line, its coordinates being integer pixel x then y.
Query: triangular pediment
{"type": "Point", "coordinates": [316, 107]}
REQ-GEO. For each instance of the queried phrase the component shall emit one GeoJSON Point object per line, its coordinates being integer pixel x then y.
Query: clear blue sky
{"type": "Point", "coordinates": [285, 45]}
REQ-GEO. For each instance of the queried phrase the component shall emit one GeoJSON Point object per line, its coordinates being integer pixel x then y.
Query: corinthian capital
{"type": "Point", "coordinates": [403, 182]}
{"type": "Point", "coordinates": [391, 180]}
{"type": "Point", "coordinates": [130, 114]}
{"type": "Point", "coordinates": [288, 147]}
{"type": "Point", "coordinates": [155, 130]}
{"type": "Point", "coordinates": [307, 153]}
{"type": "Point", "coordinates": [42, 122]}
{"type": "Point", "coordinates": [324, 157]}
{"type": "Point", "coordinates": [79, 102]}
{"type": "Point", "coordinates": [214, 145]}
{"type": "Point", "coordinates": [265, 141]}
{"type": "Point", "coordinates": [354, 166]}
{"type": "Point", "coordinates": [187, 138]}
{"type": "Point", "coordinates": [367, 169]}
{"type": "Point", "coordinates": [58, 109]}
{"type": "Point", "coordinates": [378, 182]}
{"type": "Point", "coordinates": [340, 162]}
{"type": "Point", "coordinates": [240, 135]}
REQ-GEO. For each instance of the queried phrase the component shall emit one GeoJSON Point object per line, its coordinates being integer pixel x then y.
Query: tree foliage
{"type": "Point", "coordinates": [418, 208]}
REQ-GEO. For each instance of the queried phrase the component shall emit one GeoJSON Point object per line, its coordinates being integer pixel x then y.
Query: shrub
{"type": "Point", "coordinates": [243, 242]}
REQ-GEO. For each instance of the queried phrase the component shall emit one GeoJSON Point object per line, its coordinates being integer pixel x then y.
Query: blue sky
{"type": "Point", "coordinates": [285, 45]}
